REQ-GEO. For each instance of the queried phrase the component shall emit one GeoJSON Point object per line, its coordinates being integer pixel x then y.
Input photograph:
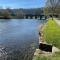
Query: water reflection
{"type": "Point", "coordinates": [20, 37]}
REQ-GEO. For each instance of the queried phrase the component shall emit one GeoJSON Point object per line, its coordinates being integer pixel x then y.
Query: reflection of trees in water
{"type": "Point", "coordinates": [25, 53]}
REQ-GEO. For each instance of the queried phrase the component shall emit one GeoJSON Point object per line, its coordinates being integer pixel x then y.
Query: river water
{"type": "Point", "coordinates": [19, 37]}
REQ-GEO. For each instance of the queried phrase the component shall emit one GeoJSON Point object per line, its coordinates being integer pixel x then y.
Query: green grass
{"type": "Point", "coordinates": [51, 33]}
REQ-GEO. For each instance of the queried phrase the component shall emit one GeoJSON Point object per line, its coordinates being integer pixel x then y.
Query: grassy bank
{"type": "Point", "coordinates": [51, 33]}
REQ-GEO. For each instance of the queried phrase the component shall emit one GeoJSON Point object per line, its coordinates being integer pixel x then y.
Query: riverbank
{"type": "Point", "coordinates": [51, 31]}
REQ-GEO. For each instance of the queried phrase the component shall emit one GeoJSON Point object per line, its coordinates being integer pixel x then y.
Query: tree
{"type": "Point", "coordinates": [52, 6]}
{"type": "Point", "coordinates": [46, 11]}
{"type": "Point", "coordinates": [39, 11]}
{"type": "Point", "coordinates": [6, 14]}
{"type": "Point", "coordinates": [19, 14]}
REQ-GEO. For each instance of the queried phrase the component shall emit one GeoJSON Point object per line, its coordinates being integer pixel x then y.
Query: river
{"type": "Point", "coordinates": [19, 37]}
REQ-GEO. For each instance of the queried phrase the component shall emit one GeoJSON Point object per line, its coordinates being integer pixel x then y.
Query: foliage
{"type": "Point", "coordinates": [6, 14]}
{"type": "Point", "coordinates": [19, 13]}
{"type": "Point", "coordinates": [46, 11]}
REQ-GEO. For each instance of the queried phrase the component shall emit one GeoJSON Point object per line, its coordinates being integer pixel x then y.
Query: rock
{"type": "Point", "coordinates": [55, 49]}
{"type": "Point", "coordinates": [37, 52]}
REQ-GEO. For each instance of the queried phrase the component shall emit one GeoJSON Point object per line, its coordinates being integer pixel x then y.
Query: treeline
{"type": "Point", "coordinates": [19, 13]}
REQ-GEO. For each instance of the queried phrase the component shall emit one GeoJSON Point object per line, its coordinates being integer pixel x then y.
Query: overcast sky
{"type": "Point", "coordinates": [22, 3]}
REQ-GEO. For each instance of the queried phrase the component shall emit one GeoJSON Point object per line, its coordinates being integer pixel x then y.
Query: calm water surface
{"type": "Point", "coordinates": [20, 37]}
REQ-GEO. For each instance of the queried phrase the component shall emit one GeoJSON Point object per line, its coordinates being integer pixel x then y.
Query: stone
{"type": "Point", "coordinates": [55, 49]}
{"type": "Point", "coordinates": [37, 52]}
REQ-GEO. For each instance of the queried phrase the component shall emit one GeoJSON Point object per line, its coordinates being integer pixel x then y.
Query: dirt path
{"type": "Point", "coordinates": [57, 21]}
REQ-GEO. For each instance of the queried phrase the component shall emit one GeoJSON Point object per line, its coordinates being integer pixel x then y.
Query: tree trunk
{"type": "Point", "coordinates": [52, 13]}
{"type": "Point", "coordinates": [52, 16]}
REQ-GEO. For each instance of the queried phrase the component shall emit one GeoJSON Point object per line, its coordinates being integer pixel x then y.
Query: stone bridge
{"type": "Point", "coordinates": [30, 16]}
